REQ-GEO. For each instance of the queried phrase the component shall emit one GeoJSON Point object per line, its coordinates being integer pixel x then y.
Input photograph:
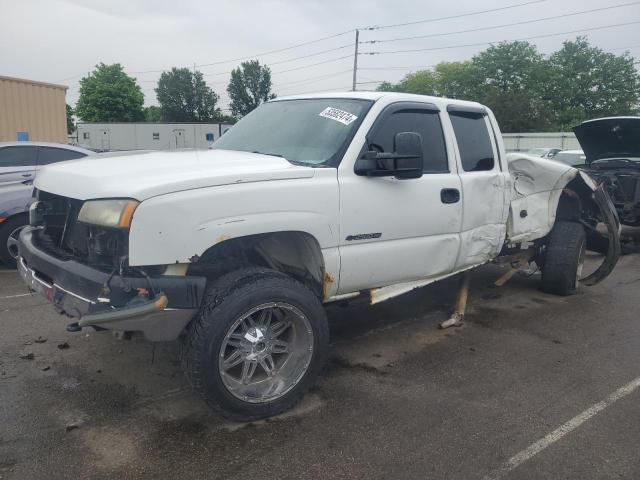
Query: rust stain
{"type": "Point", "coordinates": [222, 238]}
{"type": "Point", "coordinates": [326, 284]}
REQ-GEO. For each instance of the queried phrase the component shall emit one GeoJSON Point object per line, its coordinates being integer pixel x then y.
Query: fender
{"type": "Point", "coordinates": [179, 227]}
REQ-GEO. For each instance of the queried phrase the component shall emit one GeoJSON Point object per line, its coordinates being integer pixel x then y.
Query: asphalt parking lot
{"type": "Point", "coordinates": [531, 386]}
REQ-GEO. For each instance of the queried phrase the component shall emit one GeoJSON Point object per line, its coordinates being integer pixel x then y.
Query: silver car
{"type": "Point", "coordinates": [19, 164]}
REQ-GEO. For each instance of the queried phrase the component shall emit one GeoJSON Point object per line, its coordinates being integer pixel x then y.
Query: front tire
{"type": "Point", "coordinates": [257, 344]}
{"type": "Point", "coordinates": [564, 258]}
{"type": "Point", "coordinates": [9, 232]}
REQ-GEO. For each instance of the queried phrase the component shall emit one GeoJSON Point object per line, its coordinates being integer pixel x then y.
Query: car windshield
{"type": "Point", "coordinates": [310, 131]}
{"type": "Point", "coordinates": [570, 158]}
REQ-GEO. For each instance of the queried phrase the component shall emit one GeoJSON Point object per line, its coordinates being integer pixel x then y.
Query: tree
{"type": "Point", "coordinates": [109, 95]}
{"type": "Point", "coordinates": [70, 125]}
{"type": "Point", "coordinates": [152, 114]}
{"type": "Point", "coordinates": [250, 85]}
{"type": "Point", "coordinates": [461, 80]}
{"type": "Point", "coordinates": [448, 79]}
{"type": "Point", "coordinates": [513, 78]}
{"type": "Point", "coordinates": [511, 66]}
{"type": "Point", "coordinates": [184, 96]}
{"type": "Point", "coordinates": [587, 82]}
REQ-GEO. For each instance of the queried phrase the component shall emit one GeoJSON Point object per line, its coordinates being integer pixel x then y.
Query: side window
{"type": "Point", "coordinates": [474, 142]}
{"type": "Point", "coordinates": [18, 157]}
{"type": "Point", "coordinates": [52, 155]}
{"type": "Point", "coordinates": [427, 124]}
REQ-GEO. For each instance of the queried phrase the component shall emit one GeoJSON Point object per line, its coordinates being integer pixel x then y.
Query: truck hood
{"type": "Point", "coordinates": [615, 137]}
{"type": "Point", "coordinates": [158, 173]}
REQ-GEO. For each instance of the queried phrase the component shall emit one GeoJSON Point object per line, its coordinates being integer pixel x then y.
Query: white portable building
{"type": "Point", "coordinates": [148, 136]}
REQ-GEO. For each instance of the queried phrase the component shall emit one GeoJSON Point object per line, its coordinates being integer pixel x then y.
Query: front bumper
{"type": "Point", "coordinates": [112, 302]}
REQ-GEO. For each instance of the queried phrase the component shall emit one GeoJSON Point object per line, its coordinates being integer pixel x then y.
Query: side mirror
{"type": "Point", "coordinates": [405, 162]}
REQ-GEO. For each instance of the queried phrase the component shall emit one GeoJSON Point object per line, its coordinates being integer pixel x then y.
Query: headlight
{"type": "Point", "coordinates": [108, 213]}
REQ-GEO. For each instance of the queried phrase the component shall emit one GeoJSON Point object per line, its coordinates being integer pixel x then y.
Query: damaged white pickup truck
{"type": "Point", "coordinates": [307, 200]}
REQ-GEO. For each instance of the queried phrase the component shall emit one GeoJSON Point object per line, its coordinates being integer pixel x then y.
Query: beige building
{"type": "Point", "coordinates": [31, 110]}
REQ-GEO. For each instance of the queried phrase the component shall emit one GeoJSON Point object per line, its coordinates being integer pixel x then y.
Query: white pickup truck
{"type": "Point", "coordinates": [307, 200]}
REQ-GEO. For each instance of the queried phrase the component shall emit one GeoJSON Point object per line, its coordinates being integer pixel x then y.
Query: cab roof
{"type": "Point", "coordinates": [441, 102]}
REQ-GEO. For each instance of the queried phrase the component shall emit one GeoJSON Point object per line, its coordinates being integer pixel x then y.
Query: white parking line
{"type": "Point", "coordinates": [560, 432]}
{"type": "Point", "coordinates": [16, 296]}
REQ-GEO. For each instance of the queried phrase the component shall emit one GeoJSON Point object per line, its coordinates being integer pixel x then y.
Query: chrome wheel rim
{"type": "Point", "coordinates": [266, 352]}
{"type": "Point", "coordinates": [12, 242]}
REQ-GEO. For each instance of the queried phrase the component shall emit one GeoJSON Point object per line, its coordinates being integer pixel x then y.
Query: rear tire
{"type": "Point", "coordinates": [564, 257]}
{"type": "Point", "coordinates": [9, 231]}
{"type": "Point", "coordinates": [257, 344]}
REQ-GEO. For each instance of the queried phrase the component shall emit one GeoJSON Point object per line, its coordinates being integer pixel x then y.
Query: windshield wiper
{"type": "Point", "coordinates": [270, 154]}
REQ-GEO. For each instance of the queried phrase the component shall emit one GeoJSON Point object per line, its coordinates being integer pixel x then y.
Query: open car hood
{"type": "Point", "coordinates": [614, 137]}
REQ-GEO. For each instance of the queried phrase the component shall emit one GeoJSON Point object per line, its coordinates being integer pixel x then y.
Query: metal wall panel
{"type": "Point", "coordinates": [34, 107]}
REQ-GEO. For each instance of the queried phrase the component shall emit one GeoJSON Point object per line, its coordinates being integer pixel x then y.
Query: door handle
{"type": "Point", "coordinates": [450, 195]}
{"type": "Point", "coordinates": [26, 175]}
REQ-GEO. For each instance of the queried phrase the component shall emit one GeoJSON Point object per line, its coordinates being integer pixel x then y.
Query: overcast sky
{"type": "Point", "coordinates": [61, 40]}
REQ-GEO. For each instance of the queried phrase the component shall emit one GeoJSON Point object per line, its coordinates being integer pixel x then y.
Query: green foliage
{"type": "Point", "coordinates": [528, 92]}
{"type": "Point", "coordinates": [109, 95]}
{"type": "Point", "coordinates": [184, 96]}
{"type": "Point", "coordinates": [70, 125]}
{"type": "Point", "coordinates": [587, 82]}
{"type": "Point", "coordinates": [250, 85]}
{"type": "Point", "coordinates": [152, 114]}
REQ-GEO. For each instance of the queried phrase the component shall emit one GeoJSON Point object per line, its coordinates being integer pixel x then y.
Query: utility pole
{"type": "Point", "coordinates": [195, 92]}
{"type": "Point", "coordinates": [355, 62]}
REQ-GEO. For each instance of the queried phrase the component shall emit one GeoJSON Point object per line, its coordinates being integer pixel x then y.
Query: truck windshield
{"type": "Point", "coordinates": [311, 131]}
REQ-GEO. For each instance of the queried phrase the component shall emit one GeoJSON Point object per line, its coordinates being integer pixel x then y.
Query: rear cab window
{"type": "Point", "coordinates": [473, 137]}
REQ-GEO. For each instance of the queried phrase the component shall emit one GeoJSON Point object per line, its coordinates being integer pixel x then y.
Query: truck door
{"type": "Point", "coordinates": [484, 185]}
{"type": "Point", "coordinates": [397, 230]}
{"type": "Point", "coordinates": [17, 164]}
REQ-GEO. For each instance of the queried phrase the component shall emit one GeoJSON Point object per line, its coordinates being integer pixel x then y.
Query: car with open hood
{"type": "Point", "coordinates": [612, 150]}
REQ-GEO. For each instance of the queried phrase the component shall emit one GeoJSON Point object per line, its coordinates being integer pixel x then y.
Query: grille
{"type": "Point", "coordinates": [64, 237]}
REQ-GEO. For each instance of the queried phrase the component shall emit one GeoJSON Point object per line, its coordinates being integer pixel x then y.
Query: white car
{"type": "Point", "coordinates": [544, 152]}
{"type": "Point", "coordinates": [305, 201]}
{"type": "Point", "coordinates": [572, 158]}
{"type": "Point", "coordinates": [19, 165]}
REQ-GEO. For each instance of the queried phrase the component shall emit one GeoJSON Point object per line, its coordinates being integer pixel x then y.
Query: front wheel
{"type": "Point", "coordinates": [564, 258]}
{"type": "Point", "coordinates": [9, 232]}
{"type": "Point", "coordinates": [257, 344]}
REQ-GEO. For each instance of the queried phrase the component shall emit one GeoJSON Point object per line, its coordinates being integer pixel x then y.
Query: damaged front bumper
{"type": "Point", "coordinates": [159, 306]}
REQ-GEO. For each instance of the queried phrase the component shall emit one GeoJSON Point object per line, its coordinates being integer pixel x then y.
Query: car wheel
{"type": "Point", "coordinates": [257, 344]}
{"type": "Point", "coordinates": [564, 258]}
{"type": "Point", "coordinates": [9, 233]}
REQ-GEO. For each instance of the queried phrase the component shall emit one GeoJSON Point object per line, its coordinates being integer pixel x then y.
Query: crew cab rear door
{"type": "Point", "coordinates": [485, 184]}
{"type": "Point", "coordinates": [398, 230]}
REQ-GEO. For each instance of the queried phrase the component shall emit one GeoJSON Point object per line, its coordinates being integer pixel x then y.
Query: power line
{"type": "Point", "coordinates": [314, 79]}
{"type": "Point", "coordinates": [313, 64]}
{"type": "Point", "coordinates": [429, 20]}
{"type": "Point", "coordinates": [524, 22]}
{"type": "Point", "coordinates": [498, 41]}
{"type": "Point", "coordinates": [258, 54]}
{"type": "Point", "coordinates": [315, 91]}
{"type": "Point", "coordinates": [328, 37]}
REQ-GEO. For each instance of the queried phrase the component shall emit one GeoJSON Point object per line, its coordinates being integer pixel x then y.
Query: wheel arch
{"type": "Point", "coordinates": [295, 253]}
